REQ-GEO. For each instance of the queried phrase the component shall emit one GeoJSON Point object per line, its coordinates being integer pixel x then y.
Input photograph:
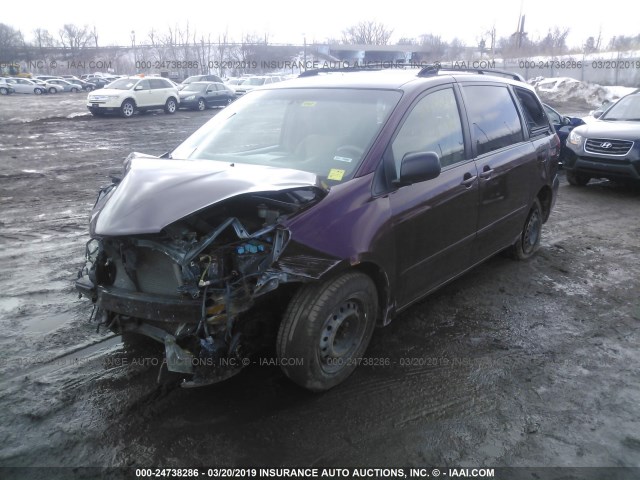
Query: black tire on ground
{"type": "Point", "coordinates": [325, 328]}
{"type": "Point", "coordinates": [528, 242]}
{"type": "Point", "coordinates": [53, 90]}
{"type": "Point", "coordinates": [577, 179]}
{"type": "Point", "coordinates": [202, 106]}
{"type": "Point", "coordinates": [38, 91]}
{"type": "Point", "coordinates": [171, 105]}
{"type": "Point", "coordinates": [128, 108]}
{"type": "Point", "coordinates": [74, 90]}
{"type": "Point", "coordinates": [4, 91]}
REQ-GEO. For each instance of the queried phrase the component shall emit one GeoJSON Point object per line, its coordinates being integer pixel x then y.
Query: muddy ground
{"type": "Point", "coordinates": [514, 364]}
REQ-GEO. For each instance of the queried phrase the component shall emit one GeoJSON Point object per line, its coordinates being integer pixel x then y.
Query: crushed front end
{"type": "Point", "coordinates": [200, 285]}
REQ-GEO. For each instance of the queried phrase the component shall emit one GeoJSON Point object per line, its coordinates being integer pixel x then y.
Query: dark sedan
{"type": "Point", "coordinates": [607, 148]}
{"type": "Point", "coordinates": [201, 95]}
{"type": "Point", "coordinates": [563, 126]}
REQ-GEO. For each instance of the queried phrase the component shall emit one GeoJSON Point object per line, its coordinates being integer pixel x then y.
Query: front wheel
{"type": "Point", "coordinates": [528, 242]}
{"type": "Point", "coordinates": [4, 91]}
{"type": "Point", "coordinates": [127, 109]}
{"type": "Point", "coordinates": [202, 106]}
{"type": "Point", "coordinates": [171, 106]}
{"type": "Point", "coordinates": [577, 179]}
{"type": "Point", "coordinates": [326, 329]}
{"type": "Point", "coordinates": [38, 91]}
{"type": "Point", "coordinates": [74, 90]}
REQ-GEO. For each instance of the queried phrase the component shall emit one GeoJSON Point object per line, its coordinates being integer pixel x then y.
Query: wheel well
{"type": "Point", "coordinates": [171, 98]}
{"type": "Point", "coordinates": [381, 282]}
{"type": "Point", "coordinates": [131, 100]}
{"type": "Point", "coordinates": [545, 196]}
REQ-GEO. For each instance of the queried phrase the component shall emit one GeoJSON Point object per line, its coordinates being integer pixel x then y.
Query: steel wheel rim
{"type": "Point", "coordinates": [342, 334]}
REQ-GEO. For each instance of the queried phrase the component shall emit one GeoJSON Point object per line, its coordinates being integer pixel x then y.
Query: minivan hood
{"type": "Point", "coordinates": [157, 192]}
{"type": "Point", "coordinates": [611, 129]}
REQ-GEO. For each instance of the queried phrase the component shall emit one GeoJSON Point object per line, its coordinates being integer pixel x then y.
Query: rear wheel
{"type": "Point", "coordinates": [74, 90]}
{"type": "Point", "coordinates": [325, 329]}
{"type": "Point", "coordinates": [528, 242]}
{"type": "Point", "coordinates": [170, 106]}
{"type": "Point", "coordinates": [127, 109]}
{"type": "Point", "coordinates": [53, 90]}
{"type": "Point", "coordinates": [577, 179]}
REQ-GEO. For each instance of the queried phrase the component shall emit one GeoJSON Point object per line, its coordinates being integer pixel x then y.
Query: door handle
{"type": "Point", "coordinates": [468, 180]}
{"type": "Point", "coordinates": [486, 173]}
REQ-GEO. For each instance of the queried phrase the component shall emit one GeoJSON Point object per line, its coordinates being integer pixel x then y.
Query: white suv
{"type": "Point", "coordinates": [129, 94]}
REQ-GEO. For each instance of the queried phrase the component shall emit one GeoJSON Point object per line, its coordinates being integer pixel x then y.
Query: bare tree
{"type": "Point", "coordinates": [434, 45]}
{"type": "Point", "coordinates": [73, 37]}
{"type": "Point", "coordinates": [367, 33]}
{"type": "Point", "coordinates": [555, 43]}
{"type": "Point", "coordinates": [10, 41]}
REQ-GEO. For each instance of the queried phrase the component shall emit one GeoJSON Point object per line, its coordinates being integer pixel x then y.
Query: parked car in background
{"type": "Point", "coordinates": [130, 94]}
{"type": "Point", "coordinates": [199, 78]}
{"type": "Point", "coordinates": [24, 85]}
{"type": "Point", "coordinates": [66, 85]}
{"type": "Point", "coordinates": [49, 87]}
{"type": "Point", "coordinates": [608, 147]}
{"type": "Point", "coordinates": [306, 213]}
{"type": "Point", "coordinates": [86, 86]}
{"type": "Point", "coordinates": [202, 95]}
{"type": "Point", "coordinates": [98, 82]}
{"type": "Point", "coordinates": [563, 125]}
{"type": "Point", "coordinates": [253, 82]}
{"type": "Point", "coordinates": [5, 88]}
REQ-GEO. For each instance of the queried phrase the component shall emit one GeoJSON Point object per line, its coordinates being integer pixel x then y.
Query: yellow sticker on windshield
{"type": "Point", "coordinates": [335, 174]}
{"type": "Point", "coordinates": [308, 104]}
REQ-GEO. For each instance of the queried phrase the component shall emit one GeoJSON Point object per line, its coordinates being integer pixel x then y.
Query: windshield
{"type": "Point", "coordinates": [322, 131]}
{"type": "Point", "coordinates": [123, 84]}
{"type": "Point", "coordinates": [627, 108]}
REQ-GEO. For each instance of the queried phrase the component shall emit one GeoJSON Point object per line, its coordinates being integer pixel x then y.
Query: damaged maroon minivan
{"type": "Point", "coordinates": [305, 214]}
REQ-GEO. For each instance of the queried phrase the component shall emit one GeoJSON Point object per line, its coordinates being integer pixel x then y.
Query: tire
{"type": "Point", "coordinates": [89, 89]}
{"type": "Point", "coordinates": [128, 108]}
{"type": "Point", "coordinates": [528, 242]}
{"type": "Point", "coordinates": [229, 101]}
{"type": "Point", "coordinates": [53, 90]}
{"type": "Point", "coordinates": [202, 106]}
{"type": "Point", "coordinates": [325, 328]}
{"type": "Point", "coordinates": [38, 91]}
{"type": "Point", "coordinates": [4, 91]}
{"type": "Point", "coordinates": [74, 90]}
{"type": "Point", "coordinates": [170, 106]}
{"type": "Point", "coordinates": [577, 179]}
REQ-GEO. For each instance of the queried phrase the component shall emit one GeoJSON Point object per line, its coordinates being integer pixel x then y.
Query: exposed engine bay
{"type": "Point", "coordinates": [194, 285]}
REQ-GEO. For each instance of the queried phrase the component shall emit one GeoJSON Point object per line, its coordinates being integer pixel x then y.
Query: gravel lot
{"type": "Point", "coordinates": [514, 364]}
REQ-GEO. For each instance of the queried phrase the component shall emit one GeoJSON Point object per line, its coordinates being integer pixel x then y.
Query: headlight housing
{"type": "Point", "coordinates": [189, 98]}
{"type": "Point", "coordinates": [575, 138]}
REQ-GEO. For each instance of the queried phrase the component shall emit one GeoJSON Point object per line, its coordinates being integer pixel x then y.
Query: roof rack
{"type": "Point", "coordinates": [435, 68]}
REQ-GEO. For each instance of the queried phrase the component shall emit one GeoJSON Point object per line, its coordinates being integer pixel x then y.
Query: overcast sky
{"type": "Point", "coordinates": [289, 21]}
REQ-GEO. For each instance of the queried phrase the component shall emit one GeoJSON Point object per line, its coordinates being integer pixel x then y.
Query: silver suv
{"type": "Point", "coordinates": [130, 94]}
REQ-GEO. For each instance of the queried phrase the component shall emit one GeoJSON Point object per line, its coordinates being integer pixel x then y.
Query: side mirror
{"type": "Point", "coordinates": [597, 113]}
{"type": "Point", "coordinates": [566, 121]}
{"type": "Point", "coordinates": [418, 167]}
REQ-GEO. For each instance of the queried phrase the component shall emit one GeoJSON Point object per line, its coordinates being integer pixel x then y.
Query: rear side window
{"type": "Point", "coordinates": [534, 113]}
{"type": "Point", "coordinates": [493, 116]}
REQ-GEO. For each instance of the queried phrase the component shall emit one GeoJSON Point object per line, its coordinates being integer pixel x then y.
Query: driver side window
{"type": "Point", "coordinates": [432, 126]}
